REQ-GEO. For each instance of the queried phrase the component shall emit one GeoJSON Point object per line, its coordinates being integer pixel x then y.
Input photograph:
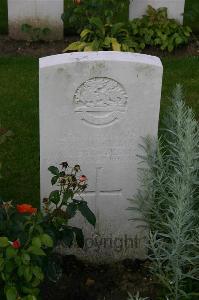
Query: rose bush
{"type": "Point", "coordinates": [63, 204]}
{"type": "Point", "coordinates": [78, 12]}
{"type": "Point", "coordinates": [28, 237]}
{"type": "Point", "coordinates": [22, 244]}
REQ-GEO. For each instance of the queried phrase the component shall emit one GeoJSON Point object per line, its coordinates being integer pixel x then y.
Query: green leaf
{"type": "Point", "coordinates": [79, 236]}
{"type": "Point", "coordinates": [20, 270]}
{"type": "Point", "coordinates": [35, 282]}
{"type": "Point", "coordinates": [71, 210]}
{"type": "Point", "coordinates": [54, 179]}
{"type": "Point", "coordinates": [76, 46]}
{"type": "Point", "coordinates": [89, 47]}
{"type": "Point", "coordinates": [27, 273]}
{"type": "Point", "coordinates": [11, 293]}
{"type": "Point", "coordinates": [36, 242]}
{"type": "Point", "coordinates": [107, 42]}
{"type": "Point", "coordinates": [4, 242]}
{"type": "Point", "coordinates": [67, 195]}
{"type": "Point", "coordinates": [11, 252]}
{"type": "Point", "coordinates": [46, 240]}
{"type": "Point", "coordinates": [54, 170]}
{"type": "Point", "coordinates": [86, 212]}
{"type": "Point", "coordinates": [67, 237]}
{"type": "Point", "coordinates": [96, 45]}
{"type": "Point", "coordinates": [37, 271]}
{"type": "Point", "coordinates": [85, 32]}
{"type": "Point", "coordinates": [36, 251]}
{"type": "Point", "coordinates": [115, 45]}
{"type": "Point", "coordinates": [25, 258]}
{"type": "Point", "coordinates": [97, 23]}
{"type": "Point", "coordinates": [178, 40]}
{"type": "Point", "coordinates": [54, 197]}
{"type": "Point", "coordinates": [9, 266]}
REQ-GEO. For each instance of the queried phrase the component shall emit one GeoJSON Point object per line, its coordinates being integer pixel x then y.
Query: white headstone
{"type": "Point", "coordinates": [37, 13]}
{"type": "Point", "coordinates": [138, 8]}
{"type": "Point", "coordinates": [94, 107]}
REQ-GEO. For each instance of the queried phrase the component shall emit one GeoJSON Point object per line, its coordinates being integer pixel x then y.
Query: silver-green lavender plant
{"type": "Point", "coordinates": [136, 297]}
{"type": "Point", "coordinates": [169, 199]}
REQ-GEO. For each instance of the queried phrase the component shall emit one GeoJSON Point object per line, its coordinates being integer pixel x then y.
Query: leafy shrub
{"type": "Point", "coordinates": [78, 12]}
{"type": "Point", "coordinates": [28, 238]}
{"type": "Point", "coordinates": [98, 36]}
{"type": "Point", "coordinates": [154, 29]}
{"type": "Point", "coordinates": [61, 207]}
{"type": "Point", "coordinates": [168, 199]}
{"type": "Point", "coordinates": [22, 242]}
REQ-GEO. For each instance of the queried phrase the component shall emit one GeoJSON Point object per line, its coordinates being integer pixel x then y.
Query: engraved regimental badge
{"type": "Point", "coordinates": [100, 101]}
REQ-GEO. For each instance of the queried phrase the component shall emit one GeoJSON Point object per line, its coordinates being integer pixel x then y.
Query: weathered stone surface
{"type": "Point", "coordinates": [94, 107]}
{"type": "Point", "coordinates": [37, 13]}
{"type": "Point", "coordinates": [138, 8]}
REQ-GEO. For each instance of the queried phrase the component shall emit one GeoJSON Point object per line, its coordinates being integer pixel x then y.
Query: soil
{"type": "Point", "coordinates": [82, 281]}
{"type": "Point", "coordinates": [40, 49]}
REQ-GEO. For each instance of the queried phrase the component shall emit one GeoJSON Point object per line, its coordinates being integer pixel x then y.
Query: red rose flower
{"type": "Point", "coordinates": [16, 244]}
{"type": "Point", "coordinates": [83, 178]}
{"type": "Point", "coordinates": [26, 209]}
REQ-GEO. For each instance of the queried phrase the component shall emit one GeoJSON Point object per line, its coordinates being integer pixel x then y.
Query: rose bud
{"type": "Point", "coordinates": [83, 178]}
{"type": "Point", "coordinates": [16, 244]}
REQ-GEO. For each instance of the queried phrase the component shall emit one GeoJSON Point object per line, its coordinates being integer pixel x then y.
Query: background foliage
{"type": "Point", "coordinates": [154, 29]}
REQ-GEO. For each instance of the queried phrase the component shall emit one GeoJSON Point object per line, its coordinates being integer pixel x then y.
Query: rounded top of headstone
{"type": "Point", "coordinates": [75, 57]}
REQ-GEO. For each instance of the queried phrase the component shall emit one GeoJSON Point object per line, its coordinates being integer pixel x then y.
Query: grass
{"type": "Point", "coordinates": [191, 15]}
{"type": "Point", "coordinates": [19, 112]}
{"type": "Point", "coordinates": [186, 72]}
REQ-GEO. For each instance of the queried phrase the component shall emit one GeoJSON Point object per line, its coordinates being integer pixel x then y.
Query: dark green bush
{"type": "Point", "coordinates": [77, 13]}
{"type": "Point", "coordinates": [154, 29]}
{"type": "Point", "coordinates": [99, 36]}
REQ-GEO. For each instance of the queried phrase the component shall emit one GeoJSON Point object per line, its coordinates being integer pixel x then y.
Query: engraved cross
{"type": "Point", "coordinates": [98, 192]}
